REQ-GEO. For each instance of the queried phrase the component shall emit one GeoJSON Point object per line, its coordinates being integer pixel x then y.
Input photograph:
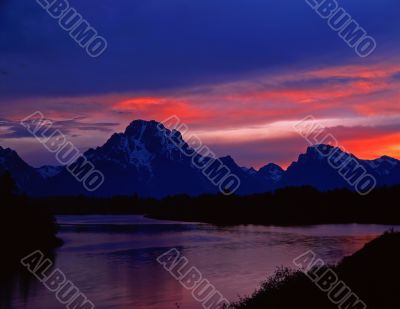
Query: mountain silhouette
{"type": "Point", "coordinates": [147, 160]}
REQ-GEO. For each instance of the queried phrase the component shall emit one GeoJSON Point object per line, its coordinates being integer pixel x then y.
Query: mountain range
{"type": "Point", "coordinates": [144, 161]}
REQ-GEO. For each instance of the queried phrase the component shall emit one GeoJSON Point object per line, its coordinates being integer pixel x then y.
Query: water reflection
{"type": "Point", "coordinates": [16, 282]}
{"type": "Point", "coordinates": [112, 259]}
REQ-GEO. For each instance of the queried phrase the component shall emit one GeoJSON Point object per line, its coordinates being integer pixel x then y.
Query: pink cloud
{"type": "Point", "coordinates": [247, 113]}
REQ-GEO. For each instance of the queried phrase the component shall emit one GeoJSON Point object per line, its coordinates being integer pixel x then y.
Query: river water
{"type": "Point", "coordinates": [113, 259]}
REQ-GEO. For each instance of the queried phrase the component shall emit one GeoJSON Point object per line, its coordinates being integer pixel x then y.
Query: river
{"type": "Point", "coordinates": [113, 259]}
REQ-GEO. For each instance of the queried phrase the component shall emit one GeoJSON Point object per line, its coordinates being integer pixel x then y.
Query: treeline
{"type": "Point", "coordinates": [23, 228]}
{"type": "Point", "coordinates": [289, 206]}
{"type": "Point", "coordinates": [81, 205]}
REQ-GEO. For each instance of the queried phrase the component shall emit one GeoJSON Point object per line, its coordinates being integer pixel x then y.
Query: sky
{"type": "Point", "coordinates": [239, 73]}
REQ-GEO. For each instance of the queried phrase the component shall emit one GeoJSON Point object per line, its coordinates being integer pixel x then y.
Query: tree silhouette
{"type": "Point", "coordinates": [8, 188]}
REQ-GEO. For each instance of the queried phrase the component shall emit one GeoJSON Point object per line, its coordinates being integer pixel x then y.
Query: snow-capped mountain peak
{"type": "Point", "coordinates": [140, 144]}
{"type": "Point", "coordinates": [271, 171]}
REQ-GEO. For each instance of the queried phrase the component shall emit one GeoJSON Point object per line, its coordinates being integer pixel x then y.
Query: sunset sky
{"type": "Point", "coordinates": [239, 73]}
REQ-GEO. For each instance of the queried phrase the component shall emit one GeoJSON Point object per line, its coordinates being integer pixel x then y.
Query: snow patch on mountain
{"type": "Point", "coordinates": [383, 166]}
{"type": "Point", "coordinates": [271, 171]}
{"type": "Point", "coordinates": [249, 170]}
{"type": "Point", "coordinates": [48, 171]}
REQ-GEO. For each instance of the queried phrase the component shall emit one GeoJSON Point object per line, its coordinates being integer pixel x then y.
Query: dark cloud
{"type": "Point", "coordinates": [159, 44]}
{"type": "Point", "coordinates": [14, 129]}
{"type": "Point", "coordinates": [312, 83]}
{"type": "Point", "coordinates": [396, 77]}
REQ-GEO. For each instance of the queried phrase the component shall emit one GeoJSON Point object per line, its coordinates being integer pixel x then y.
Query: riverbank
{"type": "Point", "coordinates": [371, 274]}
{"type": "Point", "coordinates": [24, 229]}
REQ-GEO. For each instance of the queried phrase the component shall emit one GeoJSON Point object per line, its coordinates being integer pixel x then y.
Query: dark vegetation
{"type": "Point", "coordinates": [289, 206]}
{"type": "Point", "coordinates": [82, 205]}
{"type": "Point", "coordinates": [371, 273]}
{"type": "Point", "coordinates": [23, 228]}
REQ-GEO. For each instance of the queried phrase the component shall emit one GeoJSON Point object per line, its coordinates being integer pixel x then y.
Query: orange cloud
{"type": "Point", "coordinates": [160, 108]}
{"type": "Point", "coordinates": [374, 147]}
{"type": "Point", "coordinates": [138, 102]}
